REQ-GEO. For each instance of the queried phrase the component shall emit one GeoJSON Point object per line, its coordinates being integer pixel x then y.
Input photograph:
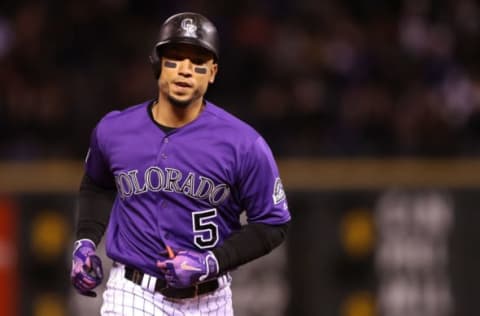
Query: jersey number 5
{"type": "Point", "coordinates": [204, 229]}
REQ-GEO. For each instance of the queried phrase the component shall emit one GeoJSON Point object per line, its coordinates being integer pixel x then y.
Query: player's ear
{"type": "Point", "coordinates": [213, 73]}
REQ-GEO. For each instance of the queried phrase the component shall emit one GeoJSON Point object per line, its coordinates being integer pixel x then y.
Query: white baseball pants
{"type": "Point", "coordinates": [125, 298]}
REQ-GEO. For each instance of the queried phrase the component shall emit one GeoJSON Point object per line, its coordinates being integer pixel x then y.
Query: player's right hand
{"type": "Point", "coordinates": [87, 271]}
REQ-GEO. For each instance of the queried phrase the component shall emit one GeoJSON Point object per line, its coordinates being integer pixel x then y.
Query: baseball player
{"type": "Point", "coordinates": [179, 171]}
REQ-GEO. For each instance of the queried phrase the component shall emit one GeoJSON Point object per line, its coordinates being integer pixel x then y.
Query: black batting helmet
{"type": "Point", "coordinates": [188, 28]}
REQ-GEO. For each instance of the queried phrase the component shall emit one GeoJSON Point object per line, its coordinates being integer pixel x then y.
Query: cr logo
{"type": "Point", "coordinates": [189, 27]}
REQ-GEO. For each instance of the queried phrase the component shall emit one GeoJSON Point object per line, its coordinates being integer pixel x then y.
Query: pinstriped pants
{"type": "Point", "coordinates": [125, 298]}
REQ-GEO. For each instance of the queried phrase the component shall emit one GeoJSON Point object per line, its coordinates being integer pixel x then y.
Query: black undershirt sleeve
{"type": "Point", "coordinates": [94, 205]}
{"type": "Point", "coordinates": [251, 242]}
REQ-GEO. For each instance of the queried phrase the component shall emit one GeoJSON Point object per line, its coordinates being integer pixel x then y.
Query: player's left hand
{"type": "Point", "coordinates": [188, 268]}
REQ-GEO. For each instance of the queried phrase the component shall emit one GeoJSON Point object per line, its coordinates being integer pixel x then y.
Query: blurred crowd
{"type": "Point", "coordinates": [317, 78]}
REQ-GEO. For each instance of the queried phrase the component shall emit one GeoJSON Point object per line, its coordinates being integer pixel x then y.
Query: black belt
{"type": "Point", "coordinates": [136, 276]}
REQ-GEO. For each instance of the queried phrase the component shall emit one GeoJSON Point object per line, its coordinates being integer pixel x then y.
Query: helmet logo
{"type": "Point", "coordinates": [189, 27]}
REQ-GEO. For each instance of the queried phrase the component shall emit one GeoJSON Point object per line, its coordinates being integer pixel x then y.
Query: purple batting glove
{"type": "Point", "coordinates": [188, 268]}
{"type": "Point", "coordinates": [87, 271]}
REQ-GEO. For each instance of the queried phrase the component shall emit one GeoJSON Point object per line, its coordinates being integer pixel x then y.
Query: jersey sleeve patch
{"type": "Point", "coordinates": [278, 192]}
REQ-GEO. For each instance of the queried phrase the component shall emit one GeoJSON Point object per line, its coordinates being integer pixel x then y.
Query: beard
{"type": "Point", "coordinates": [179, 103]}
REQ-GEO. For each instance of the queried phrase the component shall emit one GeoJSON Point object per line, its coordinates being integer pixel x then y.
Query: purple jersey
{"type": "Point", "coordinates": [185, 188]}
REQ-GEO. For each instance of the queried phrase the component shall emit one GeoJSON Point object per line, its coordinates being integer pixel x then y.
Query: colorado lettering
{"type": "Point", "coordinates": [155, 179]}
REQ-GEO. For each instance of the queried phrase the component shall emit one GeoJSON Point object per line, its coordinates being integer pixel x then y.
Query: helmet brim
{"type": "Point", "coordinates": [185, 40]}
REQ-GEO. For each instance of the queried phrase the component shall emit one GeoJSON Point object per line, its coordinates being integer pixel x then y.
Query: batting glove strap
{"type": "Point", "coordinates": [83, 248]}
{"type": "Point", "coordinates": [211, 266]}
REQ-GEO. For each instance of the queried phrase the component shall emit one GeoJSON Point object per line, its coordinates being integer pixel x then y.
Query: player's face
{"type": "Point", "coordinates": [186, 73]}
